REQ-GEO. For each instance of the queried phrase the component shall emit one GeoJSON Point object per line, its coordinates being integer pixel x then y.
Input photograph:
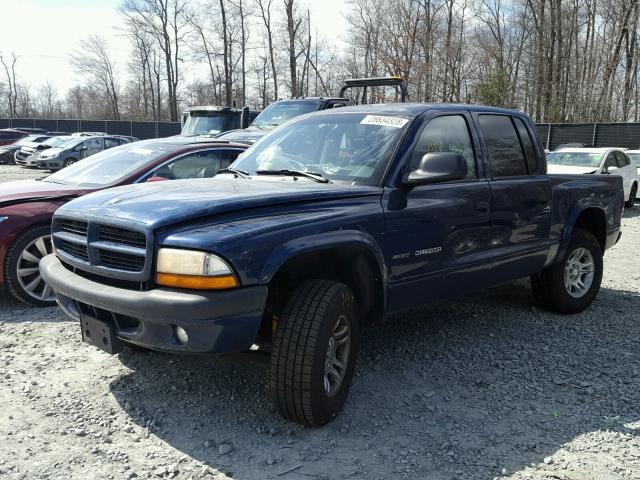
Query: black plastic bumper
{"type": "Point", "coordinates": [215, 321]}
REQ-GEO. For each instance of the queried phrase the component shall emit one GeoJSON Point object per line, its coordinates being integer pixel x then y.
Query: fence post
{"type": "Point", "coordinates": [595, 128]}
{"type": "Point", "coordinates": [548, 137]}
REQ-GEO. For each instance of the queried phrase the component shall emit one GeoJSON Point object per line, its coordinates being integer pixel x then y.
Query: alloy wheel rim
{"type": "Point", "coordinates": [579, 272]}
{"type": "Point", "coordinates": [337, 357]}
{"type": "Point", "coordinates": [28, 271]}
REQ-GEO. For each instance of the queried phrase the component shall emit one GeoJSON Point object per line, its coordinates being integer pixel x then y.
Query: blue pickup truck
{"type": "Point", "coordinates": [334, 220]}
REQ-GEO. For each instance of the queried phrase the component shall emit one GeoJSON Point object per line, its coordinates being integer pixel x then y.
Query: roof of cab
{"type": "Point", "coordinates": [415, 109]}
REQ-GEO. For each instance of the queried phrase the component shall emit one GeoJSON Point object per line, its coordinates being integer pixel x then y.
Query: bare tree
{"type": "Point", "coordinates": [95, 61]}
{"type": "Point", "coordinates": [166, 22]}
{"type": "Point", "coordinates": [265, 13]}
{"type": "Point", "coordinates": [12, 89]}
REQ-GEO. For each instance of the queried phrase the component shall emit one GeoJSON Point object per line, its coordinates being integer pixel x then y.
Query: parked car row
{"type": "Point", "coordinates": [334, 219]}
{"type": "Point", "coordinates": [53, 151]}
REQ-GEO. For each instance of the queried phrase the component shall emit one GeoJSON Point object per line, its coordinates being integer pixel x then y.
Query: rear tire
{"type": "Point", "coordinates": [314, 352]}
{"type": "Point", "coordinates": [21, 267]}
{"type": "Point", "coordinates": [632, 197]}
{"type": "Point", "coordinates": [571, 285]}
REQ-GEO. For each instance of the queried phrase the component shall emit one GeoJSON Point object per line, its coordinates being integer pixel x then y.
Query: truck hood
{"type": "Point", "coordinates": [21, 191]}
{"type": "Point", "coordinates": [160, 204]}
{"type": "Point", "coordinates": [248, 136]}
{"type": "Point", "coordinates": [569, 169]}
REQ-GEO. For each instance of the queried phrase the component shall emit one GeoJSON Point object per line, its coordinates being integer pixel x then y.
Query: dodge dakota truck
{"type": "Point", "coordinates": [334, 220]}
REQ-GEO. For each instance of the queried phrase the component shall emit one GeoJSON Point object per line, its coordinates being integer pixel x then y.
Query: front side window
{"type": "Point", "coordinates": [448, 133]}
{"type": "Point", "coordinates": [503, 146]}
{"type": "Point", "coordinates": [342, 147]}
{"type": "Point", "coordinates": [611, 161]}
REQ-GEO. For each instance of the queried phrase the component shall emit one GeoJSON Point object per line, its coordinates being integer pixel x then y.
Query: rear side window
{"type": "Point", "coordinates": [527, 145]}
{"type": "Point", "coordinates": [503, 146]}
{"type": "Point", "coordinates": [622, 159]}
{"type": "Point", "coordinates": [448, 133]}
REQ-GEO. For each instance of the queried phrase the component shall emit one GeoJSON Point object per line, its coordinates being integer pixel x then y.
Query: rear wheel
{"type": "Point", "coordinates": [21, 267]}
{"type": "Point", "coordinates": [572, 284]}
{"type": "Point", "coordinates": [314, 352]}
{"type": "Point", "coordinates": [632, 197]}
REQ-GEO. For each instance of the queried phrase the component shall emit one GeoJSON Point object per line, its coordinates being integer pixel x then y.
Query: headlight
{"type": "Point", "coordinates": [193, 269]}
{"type": "Point", "coordinates": [2, 219]}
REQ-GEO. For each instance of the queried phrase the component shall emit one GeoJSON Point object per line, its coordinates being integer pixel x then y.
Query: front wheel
{"type": "Point", "coordinates": [632, 197]}
{"type": "Point", "coordinates": [572, 284]}
{"type": "Point", "coordinates": [21, 268]}
{"type": "Point", "coordinates": [68, 161]}
{"type": "Point", "coordinates": [314, 352]}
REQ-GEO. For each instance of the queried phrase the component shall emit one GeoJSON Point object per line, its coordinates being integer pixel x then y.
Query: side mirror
{"type": "Point", "coordinates": [611, 169]}
{"type": "Point", "coordinates": [439, 167]}
{"type": "Point", "coordinates": [337, 105]}
{"type": "Point", "coordinates": [244, 117]}
{"type": "Point", "coordinates": [156, 179]}
{"type": "Point", "coordinates": [81, 148]}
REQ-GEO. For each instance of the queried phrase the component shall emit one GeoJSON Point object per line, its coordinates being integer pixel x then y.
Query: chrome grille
{"type": "Point", "coordinates": [120, 235]}
{"type": "Point", "coordinates": [75, 249]}
{"type": "Point", "coordinates": [121, 261]}
{"type": "Point", "coordinates": [73, 226]}
{"type": "Point", "coordinates": [105, 250]}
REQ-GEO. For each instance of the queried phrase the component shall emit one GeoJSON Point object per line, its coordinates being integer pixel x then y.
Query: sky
{"type": "Point", "coordinates": [42, 33]}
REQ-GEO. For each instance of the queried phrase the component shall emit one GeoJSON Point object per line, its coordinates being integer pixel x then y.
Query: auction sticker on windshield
{"type": "Point", "coordinates": [395, 122]}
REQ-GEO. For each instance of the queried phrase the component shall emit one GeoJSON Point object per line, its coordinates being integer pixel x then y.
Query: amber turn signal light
{"type": "Point", "coordinates": [197, 282]}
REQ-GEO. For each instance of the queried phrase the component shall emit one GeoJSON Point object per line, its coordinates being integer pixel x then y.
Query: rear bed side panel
{"type": "Point", "coordinates": [572, 194]}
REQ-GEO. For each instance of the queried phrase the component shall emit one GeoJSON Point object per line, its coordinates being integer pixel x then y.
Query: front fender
{"type": "Point", "coordinates": [322, 241]}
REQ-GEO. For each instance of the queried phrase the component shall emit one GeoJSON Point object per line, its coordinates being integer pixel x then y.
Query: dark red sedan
{"type": "Point", "coordinates": [26, 207]}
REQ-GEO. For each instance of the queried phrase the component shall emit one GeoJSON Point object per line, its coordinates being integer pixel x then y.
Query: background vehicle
{"type": "Point", "coordinates": [7, 152]}
{"type": "Point", "coordinates": [279, 112]}
{"type": "Point", "coordinates": [77, 148]}
{"type": "Point", "coordinates": [10, 135]}
{"type": "Point", "coordinates": [634, 156]}
{"type": "Point", "coordinates": [27, 155]}
{"type": "Point", "coordinates": [26, 207]}
{"type": "Point", "coordinates": [332, 220]}
{"type": "Point", "coordinates": [609, 161]}
{"type": "Point", "coordinates": [212, 120]}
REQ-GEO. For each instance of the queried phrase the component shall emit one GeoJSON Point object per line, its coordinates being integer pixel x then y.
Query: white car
{"type": "Point", "coordinates": [608, 161]}
{"type": "Point", "coordinates": [634, 155]}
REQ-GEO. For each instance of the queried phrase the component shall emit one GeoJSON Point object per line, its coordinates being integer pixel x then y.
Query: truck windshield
{"type": "Point", "coordinates": [201, 125]}
{"type": "Point", "coordinates": [109, 166]}
{"type": "Point", "coordinates": [279, 112]}
{"type": "Point", "coordinates": [342, 147]}
{"type": "Point", "coordinates": [575, 159]}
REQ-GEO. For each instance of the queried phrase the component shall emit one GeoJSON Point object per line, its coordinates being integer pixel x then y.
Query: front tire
{"type": "Point", "coordinates": [632, 197]}
{"type": "Point", "coordinates": [68, 161]}
{"type": "Point", "coordinates": [572, 284]}
{"type": "Point", "coordinates": [21, 267]}
{"type": "Point", "coordinates": [314, 352]}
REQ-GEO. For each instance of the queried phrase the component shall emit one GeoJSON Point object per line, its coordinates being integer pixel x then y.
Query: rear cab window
{"type": "Point", "coordinates": [504, 146]}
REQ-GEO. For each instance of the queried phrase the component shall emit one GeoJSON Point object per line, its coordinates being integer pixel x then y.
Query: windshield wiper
{"type": "Point", "coordinates": [316, 177]}
{"type": "Point", "coordinates": [235, 172]}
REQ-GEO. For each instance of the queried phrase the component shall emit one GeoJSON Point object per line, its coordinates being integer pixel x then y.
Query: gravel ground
{"type": "Point", "coordinates": [15, 172]}
{"type": "Point", "coordinates": [484, 387]}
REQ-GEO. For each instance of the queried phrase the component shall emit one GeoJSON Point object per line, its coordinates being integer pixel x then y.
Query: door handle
{"type": "Point", "coordinates": [482, 208]}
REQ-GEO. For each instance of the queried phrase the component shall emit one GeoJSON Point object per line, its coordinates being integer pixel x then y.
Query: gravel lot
{"type": "Point", "coordinates": [484, 387]}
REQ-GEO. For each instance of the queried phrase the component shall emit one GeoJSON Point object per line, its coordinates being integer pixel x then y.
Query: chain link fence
{"type": "Point", "coordinates": [624, 135]}
{"type": "Point", "coordinates": [141, 130]}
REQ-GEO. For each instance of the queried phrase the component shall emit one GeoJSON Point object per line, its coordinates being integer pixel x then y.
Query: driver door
{"type": "Point", "coordinates": [438, 236]}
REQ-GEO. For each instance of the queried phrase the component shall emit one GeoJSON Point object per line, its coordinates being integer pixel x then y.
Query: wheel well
{"type": "Point", "coordinates": [593, 220]}
{"type": "Point", "coordinates": [354, 266]}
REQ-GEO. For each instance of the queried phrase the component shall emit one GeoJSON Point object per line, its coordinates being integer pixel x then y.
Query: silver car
{"type": "Point", "coordinates": [76, 149]}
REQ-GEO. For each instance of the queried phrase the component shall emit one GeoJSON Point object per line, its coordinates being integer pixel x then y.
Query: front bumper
{"type": "Point", "coordinates": [50, 164]}
{"type": "Point", "coordinates": [216, 321]}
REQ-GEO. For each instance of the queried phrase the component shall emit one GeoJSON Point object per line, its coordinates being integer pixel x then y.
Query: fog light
{"type": "Point", "coordinates": [181, 333]}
